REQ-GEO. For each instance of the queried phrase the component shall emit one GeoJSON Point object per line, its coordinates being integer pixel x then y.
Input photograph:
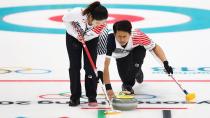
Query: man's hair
{"type": "Point", "coordinates": [123, 25]}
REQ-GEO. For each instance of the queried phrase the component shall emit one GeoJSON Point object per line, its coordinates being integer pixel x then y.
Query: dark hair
{"type": "Point", "coordinates": [97, 11]}
{"type": "Point", "coordinates": [123, 25]}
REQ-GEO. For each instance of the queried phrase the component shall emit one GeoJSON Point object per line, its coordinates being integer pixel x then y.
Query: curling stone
{"type": "Point", "coordinates": [124, 104]}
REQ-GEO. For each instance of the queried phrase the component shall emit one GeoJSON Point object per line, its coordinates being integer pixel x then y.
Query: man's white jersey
{"type": "Point", "coordinates": [137, 38]}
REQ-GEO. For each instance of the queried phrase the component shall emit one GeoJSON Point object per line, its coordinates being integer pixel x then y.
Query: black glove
{"type": "Point", "coordinates": [168, 68]}
{"type": "Point", "coordinates": [100, 76]}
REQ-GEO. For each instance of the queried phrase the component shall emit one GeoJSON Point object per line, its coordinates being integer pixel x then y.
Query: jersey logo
{"type": "Point", "coordinates": [119, 50]}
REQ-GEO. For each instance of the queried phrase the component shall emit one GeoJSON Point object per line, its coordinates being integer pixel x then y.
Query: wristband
{"type": "Point", "coordinates": [108, 86]}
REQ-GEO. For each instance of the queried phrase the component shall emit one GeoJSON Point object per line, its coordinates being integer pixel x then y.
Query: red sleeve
{"type": "Point", "coordinates": [99, 28]}
{"type": "Point", "coordinates": [139, 38]}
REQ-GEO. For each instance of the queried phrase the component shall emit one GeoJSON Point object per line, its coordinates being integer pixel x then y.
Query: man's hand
{"type": "Point", "coordinates": [109, 91]}
{"type": "Point", "coordinates": [168, 68]}
{"type": "Point", "coordinates": [110, 94]}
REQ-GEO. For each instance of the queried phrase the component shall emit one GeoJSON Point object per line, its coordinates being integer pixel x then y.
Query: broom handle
{"type": "Point", "coordinates": [170, 75]}
{"type": "Point", "coordinates": [180, 86]}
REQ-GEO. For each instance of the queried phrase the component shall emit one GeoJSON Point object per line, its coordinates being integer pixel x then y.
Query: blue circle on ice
{"type": "Point", "coordinates": [200, 18]}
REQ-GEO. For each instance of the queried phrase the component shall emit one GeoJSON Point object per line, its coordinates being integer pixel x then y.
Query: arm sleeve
{"type": "Point", "coordinates": [72, 15]}
{"type": "Point", "coordinates": [69, 17]}
{"type": "Point", "coordinates": [111, 45]}
{"type": "Point", "coordinates": [102, 43]}
{"type": "Point", "coordinates": [142, 39]}
{"type": "Point", "coordinates": [102, 49]}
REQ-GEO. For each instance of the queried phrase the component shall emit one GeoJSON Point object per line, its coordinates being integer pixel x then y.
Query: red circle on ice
{"type": "Point", "coordinates": [114, 18]}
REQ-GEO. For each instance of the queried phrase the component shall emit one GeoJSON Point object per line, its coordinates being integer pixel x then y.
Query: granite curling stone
{"type": "Point", "coordinates": [124, 104]}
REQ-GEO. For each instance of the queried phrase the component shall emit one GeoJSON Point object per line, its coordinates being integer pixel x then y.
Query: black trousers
{"type": "Point", "coordinates": [74, 48]}
{"type": "Point", "coordinates": [128, 66]}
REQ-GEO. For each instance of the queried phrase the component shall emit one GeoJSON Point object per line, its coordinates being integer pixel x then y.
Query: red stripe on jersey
{"type": "Point", "coordinates": [98, 29]}
{"type": "Point", "coordinates": [140, 38]}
